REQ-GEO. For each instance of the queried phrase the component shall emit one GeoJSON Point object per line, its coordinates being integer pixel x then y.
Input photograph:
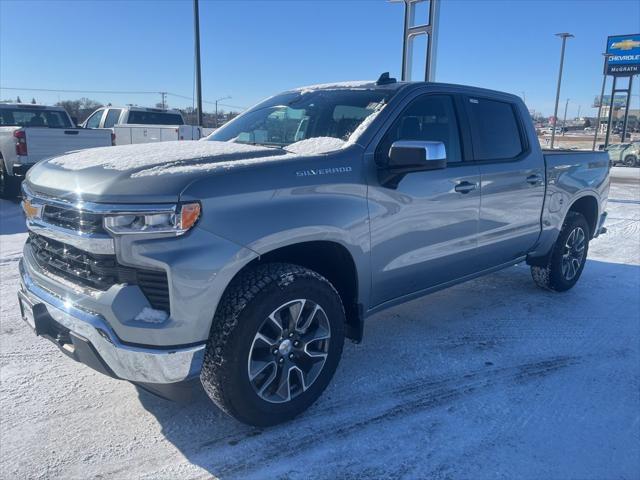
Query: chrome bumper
{"type": "Point", "coordinates": [127, 362]}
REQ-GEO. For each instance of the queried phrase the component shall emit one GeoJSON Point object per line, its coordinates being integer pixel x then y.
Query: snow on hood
{"type": "Point", "coordinates": [148, 155]}
{"type": "Point", "coordinates": [317, 145]}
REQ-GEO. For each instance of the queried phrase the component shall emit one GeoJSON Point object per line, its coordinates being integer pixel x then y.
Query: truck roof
{"type": "Point", "coordinates": [144, 109]}
{"type": "Point", "coordinates": [30, 106]}
{"type": "Point", "coordinates": [396, 85]}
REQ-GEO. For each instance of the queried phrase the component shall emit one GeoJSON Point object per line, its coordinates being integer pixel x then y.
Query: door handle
{"type": "Point", "coordinates": [534, 179]}
{"type": "Point", "coordinates": [465, 187]}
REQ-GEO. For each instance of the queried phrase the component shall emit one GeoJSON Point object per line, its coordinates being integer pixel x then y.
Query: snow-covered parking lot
{"type": "Point", "coordinates": [491, 379]}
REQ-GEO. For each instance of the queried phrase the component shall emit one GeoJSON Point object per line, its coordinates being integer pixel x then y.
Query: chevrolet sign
{"type": "Point", "coordinates": [624, 55]}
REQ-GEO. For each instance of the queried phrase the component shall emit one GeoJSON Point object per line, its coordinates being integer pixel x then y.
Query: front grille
{"type": "Point", "coordinates": [97, 271]}
{"type": "Point", "coordinates": [73, 219]}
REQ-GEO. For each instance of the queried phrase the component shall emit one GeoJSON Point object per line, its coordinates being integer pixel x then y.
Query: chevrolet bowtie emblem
{"type": "Point", "coordinates": [626, 44]}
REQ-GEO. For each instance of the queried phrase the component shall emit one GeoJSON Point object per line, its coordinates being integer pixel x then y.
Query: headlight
{"type": "Point", "coordinates": [176, 221]}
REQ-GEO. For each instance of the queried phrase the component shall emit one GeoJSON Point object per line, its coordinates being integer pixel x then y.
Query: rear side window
{"type": "Point", "coordinates": [495, 131]}
{"type": "Point", "coordinates": [112, 117]}
{"type": "Point", "coordinates": [154, 118]}
{"type": "Point", "coordinates": [33, 117]}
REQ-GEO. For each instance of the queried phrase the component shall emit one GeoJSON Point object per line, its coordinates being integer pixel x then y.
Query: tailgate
{"type": "Point", "coordinates": [49, 142]}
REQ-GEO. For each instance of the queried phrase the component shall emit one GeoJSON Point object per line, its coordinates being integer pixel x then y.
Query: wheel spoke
{"type": "Point", "coordinates": [269, 342]}
{"type": "Point", "coordinates": [276, 323]}
{"type": "Point", "coordinates": [305, 326]}
{"type": "Point", "coordinates": [259, 366]}
{"type": "Point", "coordinates": [295, 310]}
{"type": "Point", "coordinates": [284, 386]}
{"type": "Point", "coordinates": [296, 370]}
{"type": "Point", "coordinates": [269, 381]}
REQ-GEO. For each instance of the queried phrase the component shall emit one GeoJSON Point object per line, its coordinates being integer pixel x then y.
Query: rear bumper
{"type": "Point", "coordinates": [86, 337]}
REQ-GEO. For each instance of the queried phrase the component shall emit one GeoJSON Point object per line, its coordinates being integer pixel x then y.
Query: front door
{"type": "Point", "coordinates": [424, 231]}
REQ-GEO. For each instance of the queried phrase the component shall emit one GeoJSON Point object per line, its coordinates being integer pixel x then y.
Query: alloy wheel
{"type": "Point", "coordinates": [574, 253]}
{"type": "Point", "coordinates": [289, 351]}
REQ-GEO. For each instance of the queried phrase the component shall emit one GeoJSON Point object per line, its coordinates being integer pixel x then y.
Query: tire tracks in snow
{"type": "Point", "coordinates": [328, 424]}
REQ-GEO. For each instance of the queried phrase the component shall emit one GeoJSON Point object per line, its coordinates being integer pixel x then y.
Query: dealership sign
{"type": "Point", "coordinates": [623, 55]}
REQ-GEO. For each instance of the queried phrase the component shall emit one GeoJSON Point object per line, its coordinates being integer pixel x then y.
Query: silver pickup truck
{"type": "Point", "coordinates": [242, 262]}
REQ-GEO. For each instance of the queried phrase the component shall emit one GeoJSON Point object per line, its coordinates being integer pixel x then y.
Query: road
{"type": "Point", "coordinates": [491, 379]}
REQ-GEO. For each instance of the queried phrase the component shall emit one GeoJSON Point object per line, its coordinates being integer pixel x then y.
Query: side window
{"type": "Point", "coordinates": [94, 120]}
{"type": "Point", "coordinates": [428, 118]}
{"type": "Point", "coordinates": [113, 114]}
{"type": "Point", "coordinates": [494, 128]}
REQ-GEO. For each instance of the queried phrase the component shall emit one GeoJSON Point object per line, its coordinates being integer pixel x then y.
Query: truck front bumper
{"type": "Point", "coordinates": [86, 337]}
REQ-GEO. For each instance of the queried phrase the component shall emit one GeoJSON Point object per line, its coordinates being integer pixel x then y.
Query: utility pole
{"type": "Point", "coordinates": [216, 102]}
{"type": "Point", "coordinates": [579, 108]}
{"type": "Point", "coordinates": [564, 37]}
{"type": "Point", "coordinates": [564, 119]}
{"type": "Point", "coordinates": [196, 28]}
{"type": "Point", "coordinates": [163, 96]}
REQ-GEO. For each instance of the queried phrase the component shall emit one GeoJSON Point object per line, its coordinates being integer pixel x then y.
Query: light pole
{"type": "Point", "coordinates": [604, 83]}
{"type": "Point", "coordinates": [564, 37]}
{"type": "Point", "coordinates": [196, 29]}
{"type": "Point", "coordinates": [216, 102]}
{"type": "Point", "coordinates": [564, 119]}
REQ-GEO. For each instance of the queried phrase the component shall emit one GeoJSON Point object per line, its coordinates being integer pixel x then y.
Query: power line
{"type": "Point", "coordinates": [116, 92]}
{"type": "Point", "coordinates": [78, 91]}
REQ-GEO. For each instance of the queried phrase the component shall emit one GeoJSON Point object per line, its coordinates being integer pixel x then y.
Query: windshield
{"type": "Point", "coordinates": [300, 115]}
{"type": "Point", "coordinates": [33, 117]}
{"type": "Point", "coordinates": [154, 118]}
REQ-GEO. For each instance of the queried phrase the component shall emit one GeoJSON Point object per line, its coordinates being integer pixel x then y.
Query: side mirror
{"type": "Point", "coordinates": [407, 156]}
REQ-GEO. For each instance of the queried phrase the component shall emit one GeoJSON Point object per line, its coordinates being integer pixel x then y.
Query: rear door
{"type": "Point", "coordinates": [424, 231]}
{"type": "Point", "coordinates": [512, 179]}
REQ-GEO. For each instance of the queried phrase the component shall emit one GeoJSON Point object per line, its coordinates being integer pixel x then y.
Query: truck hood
{"type": "Point", "coordinates": [142, 173]}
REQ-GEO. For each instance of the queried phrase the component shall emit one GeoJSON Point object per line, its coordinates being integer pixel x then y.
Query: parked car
{"type": "Point", "coordinates": [29, 133]}
{"type": "Point", "coordinates": [142, 125]}
{"type": "Point", "coordinates": [243, 262]}
{"type": "Point", "coordinates": [626, 154]}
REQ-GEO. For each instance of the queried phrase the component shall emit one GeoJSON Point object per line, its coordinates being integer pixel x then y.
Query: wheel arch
{"type": "Point", "coordinates": [330, 259]}
{"type": "Point", "coordinates": [587, 206]}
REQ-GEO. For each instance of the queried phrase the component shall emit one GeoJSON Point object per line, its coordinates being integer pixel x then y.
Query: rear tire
{"type": "Point", "coordinates": [568, 257]}
{"type": "Point", "coordinates": [8, 183]}
{"type": "Point", "coordinates": [274, 318]}
{"type": "Point", "coordinates": [630, 161]}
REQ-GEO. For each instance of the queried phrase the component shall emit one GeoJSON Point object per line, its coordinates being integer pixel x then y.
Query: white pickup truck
{"type": "Point", "coordinates": [142, 125]}
{"type": "Point", "coordinates": [30, 133]}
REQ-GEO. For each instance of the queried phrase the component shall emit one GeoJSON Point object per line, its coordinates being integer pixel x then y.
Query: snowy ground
{"type": "Point", "coordinates": [491, 379]}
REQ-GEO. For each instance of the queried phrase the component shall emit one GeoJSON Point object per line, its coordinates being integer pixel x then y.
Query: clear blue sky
{"type": "Point", "coordinates": [252, 49]}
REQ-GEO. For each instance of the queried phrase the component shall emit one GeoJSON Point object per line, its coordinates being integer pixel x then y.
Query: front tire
{"type": "Point", "coordinates": [568, 257]}
{"type": "Point", "coordinates": [275, 343]}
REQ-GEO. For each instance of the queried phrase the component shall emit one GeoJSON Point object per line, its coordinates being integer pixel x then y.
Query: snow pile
{"type": "Point", "coordinates": [317, 145]}
{"type": "Point", "coordinates": [136, 156]}
{"type": "Point", "coordinates": [333, 86]}
{"type": "Point", "coordinates": [151, 315]}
